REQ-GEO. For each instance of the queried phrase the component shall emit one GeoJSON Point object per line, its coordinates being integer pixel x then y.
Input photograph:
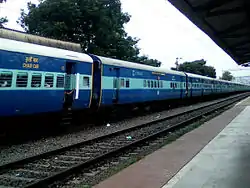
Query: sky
{"type": "Point", "coordinates": [164, 34]}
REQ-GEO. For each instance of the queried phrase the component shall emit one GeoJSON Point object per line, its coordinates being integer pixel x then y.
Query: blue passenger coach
{"type": "Point", "coordinates": [34, 78]}
{"type": "Point", "coordinates": [125, 82]}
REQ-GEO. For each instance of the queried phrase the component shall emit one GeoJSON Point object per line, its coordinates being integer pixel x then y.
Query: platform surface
{"type": "Point", "coordinates": [209, 156]}
{"type": "Point", "coordinates": [223, 163]}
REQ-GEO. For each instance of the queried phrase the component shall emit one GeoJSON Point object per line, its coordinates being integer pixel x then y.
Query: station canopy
{"type": "Point", "coordinates": [226, 22]}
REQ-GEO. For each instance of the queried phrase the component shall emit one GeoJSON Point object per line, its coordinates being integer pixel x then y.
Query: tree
{"type": "Point", "coordinates": [3, 20]}
{"type": "Point", "coordinates": [197, 67]}
{"type": "Point", "coordinates": [152, 62]}
{"type": "Point", "coordinates": [227, 76]}
{"type": "Point", "coordinates": [98, 25]}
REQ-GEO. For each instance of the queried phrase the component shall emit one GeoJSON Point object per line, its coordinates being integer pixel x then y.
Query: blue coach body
{"type": "Point", "coordinates": [35, 79]}
{"type": "Point", "coordinates": [125, 82]}
{"type": "Point", "coordinates": [32, 78]}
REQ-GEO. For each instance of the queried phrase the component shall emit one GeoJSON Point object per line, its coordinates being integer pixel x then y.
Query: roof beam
{"type": "Point", "coordinates": [246, 54]}
{"type": "Point", "coordinates": [240, 44]}
{"type": "Point", "coordinates": [211, 5]}
{"type": "Point", "coordinates": [235, 10]}
{"type": "Point", "coordinates": [233, 28]}
{"type": "Point", "coordinates": [242, 50]}
{"type": "Point", "coordinates": [235, 35]}
{"type": "Point", "coordinates": [244, 59]}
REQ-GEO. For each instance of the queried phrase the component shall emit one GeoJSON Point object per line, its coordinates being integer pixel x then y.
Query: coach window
{"type": "Point", "coordinates": [148, 84]}
{"type": "Point", "coordinates": [86, 81]}
{"type": "Point", "coordinates": [127, 83]}
{"type": "Point", "coordinates": [36, 80]}
{"type": "Point", "coordinates": [158, 83]}
{"type": "Point", "coordinates": [161, 84]}
{"type": "Point", "coordinates": [144, 83]}
{"type": "Point", "coordinates": [152, 83]}
{"type": "Point", "coordinates": [175, 85]}
{"type": "Point", "coordinates": [60, 81]}
{"type": "Point", "coordinates": [5, 79]}
{"type": "Point", "coordinates": [155, 84]}
{"type": "Point", "coordinates": [49, 80]}
{"type": "Point", "coordinates": [122, 82]}
{"type": "Point", "coordinates": [22, 79]}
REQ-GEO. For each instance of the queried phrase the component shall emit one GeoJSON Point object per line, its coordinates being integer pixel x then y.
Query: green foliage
{"type": "Point", "coordinates": [197, 67]}
{"type": "Point", "coordinates": [152, 62]}
{"type": "Point", "coordinates": [227, 76]}
{"type": "Point", "coordinates": [98, 25]}
{"type": "Point", "coordinates": [3, 20]}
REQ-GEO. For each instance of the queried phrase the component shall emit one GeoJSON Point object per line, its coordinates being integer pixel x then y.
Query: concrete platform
{"type": "Point", "coordinates": [194, 160]}
{"type": "Point", "coordinates": [223, 163]}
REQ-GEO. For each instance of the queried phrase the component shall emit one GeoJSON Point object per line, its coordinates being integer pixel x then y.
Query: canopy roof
{"type": "Point", "coordinates": [225, 21]}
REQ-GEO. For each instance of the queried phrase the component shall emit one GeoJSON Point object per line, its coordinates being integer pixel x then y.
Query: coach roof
{"type": "Point", "coordinates": [199, 76]}
{"type": "Point", "coordinates": [23, 47]}
{"type": "Point", "coordinates": [127, 64]}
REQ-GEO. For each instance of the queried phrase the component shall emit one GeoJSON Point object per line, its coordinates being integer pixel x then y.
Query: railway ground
{"type": "Point", "coordinates": [36, 132]}
{"type": "Point", "coordinates": [214, 155]}
{"type": "Point", "coordinates": [88, 161]}
{"type": "Point", "coordinates": [34, 147]}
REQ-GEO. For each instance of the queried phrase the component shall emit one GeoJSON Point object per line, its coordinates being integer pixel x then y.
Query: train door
{"type": "Point", "coordinates": [181, 85]}
{"type": "Point", "coordinates": [202, 87]}
{"type": "Point", "coordinates": [186, 85]}
{"type": "Point", "coordinates": [190, 82]}
{"type": "Point", "coordinates": [212, 86]}
{"type": "Point", "coordinates": [96, 85]}
{"type": "Point", "coordinates": [116, 85]}
{"type": "Point", "coordinates": [69, 86]}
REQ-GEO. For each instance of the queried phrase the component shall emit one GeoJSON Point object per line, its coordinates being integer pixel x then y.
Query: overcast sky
{"type": "Point", "coordinates": [164, 32]}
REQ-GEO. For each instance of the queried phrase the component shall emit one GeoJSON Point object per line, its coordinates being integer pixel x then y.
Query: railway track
{"type": "Point", "coordinates": [44, 169]}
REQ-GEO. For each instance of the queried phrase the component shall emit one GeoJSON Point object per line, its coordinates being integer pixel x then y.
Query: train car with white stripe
{"type": "Point", "coordinates": [42, 80]}
{"type": "Point", "coordinates": [35, 79]}
{"type": "Point", "coordinates": [127, 82]}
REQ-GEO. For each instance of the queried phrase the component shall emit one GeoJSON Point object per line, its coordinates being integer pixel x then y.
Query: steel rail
{"type": "Point", "coordinates": [78, 167]}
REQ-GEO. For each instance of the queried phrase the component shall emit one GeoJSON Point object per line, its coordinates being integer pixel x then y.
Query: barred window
{"type": "Point", "coordinates": [60, 81]}
{"type": "Point", "coordinates": [152, 83]}
{"type": "Point", "coordinates": [49, 80]}
{"type": "Point", "coordinates": [161, 84]}
{"type": "Point", "coordinates": [5, 79]}
{"type": "Point", "coordinates": [127, 83]}
{"type": "Point", "coordinates": [148, 84]}
{"type": "Point", "coordinates": [122, 82]}
{"type": "Point", "coordinates": [86, 82]}
{"type": "Point", "coordinates": [144, 83]}
{"type": "Point", "coordinates": [155, 84]}
{"type": "Point", "coordinates": [22, 79]}
{"type": "Point", "coordinates": [158, 83]}
{"type": "Point", "coordinates": [36, 80]}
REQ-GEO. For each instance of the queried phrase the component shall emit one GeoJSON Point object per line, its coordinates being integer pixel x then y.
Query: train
{"type": "Point", "coordinates": [37, 79]}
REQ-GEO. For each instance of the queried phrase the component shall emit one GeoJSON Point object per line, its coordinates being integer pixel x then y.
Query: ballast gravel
{"type": "Point", "coordinates": [17, 152]}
